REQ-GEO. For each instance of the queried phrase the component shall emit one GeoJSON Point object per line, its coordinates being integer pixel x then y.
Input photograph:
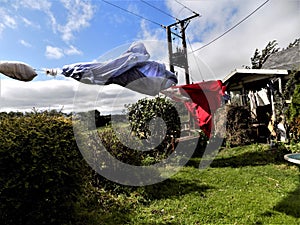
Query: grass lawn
{"type": "Point", "coordinates": [243, 185]}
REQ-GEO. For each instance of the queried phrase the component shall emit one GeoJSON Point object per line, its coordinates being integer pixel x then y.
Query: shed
{"type": "Point", "coordinates": [245, 87]}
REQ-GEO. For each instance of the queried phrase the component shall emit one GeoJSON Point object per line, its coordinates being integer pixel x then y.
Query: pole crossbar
{"type": "Point", "coordinates": [179, 58]}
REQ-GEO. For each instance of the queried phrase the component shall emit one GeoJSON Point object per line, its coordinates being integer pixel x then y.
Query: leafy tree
{"type": "Point", "coordinates": [259, 58]}
{"type": "Point", "coordinates": [293, 114]}
{"type": "Point", "coordinates": [295, 106]}
{"type": "Point", "coordinates": [295, 43]}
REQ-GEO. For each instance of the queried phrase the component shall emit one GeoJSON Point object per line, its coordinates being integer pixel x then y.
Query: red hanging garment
{"type": "Point", "coordinates": [205, 99]}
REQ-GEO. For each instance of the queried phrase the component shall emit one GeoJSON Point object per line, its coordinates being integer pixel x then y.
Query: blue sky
{"type": "Point", "coordinates": [60, 32]}
{"type": "Point", "coordinates": [50, 34]}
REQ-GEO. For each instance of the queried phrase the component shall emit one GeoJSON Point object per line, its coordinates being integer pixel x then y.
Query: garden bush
{"type": "Point", "coordinates": [116, 148]}
{"type": "Point", "coordinates": [41, 169]}
{"type": "Point", "coordinates": [238, 129]}
{"type": "Point", "coordinates": [145, 110]}
{"type": "Point", "coordinates": [116, 145]}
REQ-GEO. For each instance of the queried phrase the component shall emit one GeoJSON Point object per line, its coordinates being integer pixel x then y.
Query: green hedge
{"type": "Point", "coordinates": [294, 115]}
{"type": "Point", "coordinates": [41, 169]}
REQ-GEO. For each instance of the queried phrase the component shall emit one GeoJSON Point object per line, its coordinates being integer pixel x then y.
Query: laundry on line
{"type": "Point", "coordinates": [201, 100]}
{"type": "Point", "coordinates": [132, 70]}
{"type": "Point", "coordinates": [17, 70]}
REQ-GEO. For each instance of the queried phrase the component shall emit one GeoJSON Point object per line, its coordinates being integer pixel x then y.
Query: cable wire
{"type": "Point", "coordinates": [147, 3]}
{"type": "Point", "coordinates": [227, 31]}
{"type": "Point", "coordinates": [186, 7]}
{"type": "Point", "coordinates": [135, 14]}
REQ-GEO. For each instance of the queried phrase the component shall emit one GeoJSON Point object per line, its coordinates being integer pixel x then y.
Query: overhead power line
{"type": "Point", "coordinates": [147, 3]}
{"type": "Point", "coordinates": [133, 13]}
{"type": "Point", "coordinates": [227, 31]}
{"type": "Point", "coordinates": [186, 7]}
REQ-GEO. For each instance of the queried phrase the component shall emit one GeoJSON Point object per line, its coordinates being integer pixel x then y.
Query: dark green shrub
{"type": "Point", "coordinates": [294, 109]}
{"type": "Point", "coordinates": [141, 113]}
{"type": "Point", "coordinates": [294, 115]}
{"type": "Point", "coordinates": [116, 146]}
{"type": "Point", "coordinates": [112, 143]}
{"type": "Point", "coordinates": [41, 169]}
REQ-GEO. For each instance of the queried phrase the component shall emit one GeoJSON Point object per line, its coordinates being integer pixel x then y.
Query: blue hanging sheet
{"type": "Point", "coordinates": [131, 70]}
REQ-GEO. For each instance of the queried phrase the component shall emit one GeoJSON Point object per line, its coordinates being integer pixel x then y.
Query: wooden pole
{"type": "Point", "coordinates": [170, 48]}
{"type": "Point", "coordinates": [186, 65]}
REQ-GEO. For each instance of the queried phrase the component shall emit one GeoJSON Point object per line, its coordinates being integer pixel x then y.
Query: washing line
{"type": "Point", "coordinates": [230, 29]}
{"type": "Point", "coordinates": [158, 9]}
{"type": "Point", "coordinates": [135, 14]}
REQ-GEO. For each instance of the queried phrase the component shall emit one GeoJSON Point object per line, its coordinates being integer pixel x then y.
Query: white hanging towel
{"type": "Point", "coordinates": [17, 70]}
{"type": "Point", "coordinates": [253, 105]}
{"type": "Point", "coordinates": [259, 101]}
{"type": "Point", "coordinates": [263, 94]}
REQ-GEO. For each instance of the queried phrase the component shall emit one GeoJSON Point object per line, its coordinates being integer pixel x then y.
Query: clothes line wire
{"type": "Point", "coordinates": [51, 72]}
{"type": "Point", "coordinates": [158, 9]}
{"type": "Point", "coordinates": [186, 7]}
{"type": "Point", "coordinates": [135, 14]}
{"type": "Point", "coordinates": [236, 25]}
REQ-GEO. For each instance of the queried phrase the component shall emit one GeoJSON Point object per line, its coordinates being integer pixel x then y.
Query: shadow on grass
{"type": "Point", "coordinates": [291, 204]}
{"type": "Point", "coordinates": [174, 188]}
{"type": "Point", "coordinates": [260, 158]}
{"type": "Point", "coordinates": [114, 216]}
{"type": "Point", "coordinates": [161, 223]}
{"type": "Point", "coordinates": [168, 189]}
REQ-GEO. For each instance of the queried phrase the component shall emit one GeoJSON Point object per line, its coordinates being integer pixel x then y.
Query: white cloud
{"type": "Point", "coordinates": [26, 21]}
{"type": "Point", "coordinates": [2, 27]}
{"type": "Point", "coordinates": [7, 20]}
{"type": "Point", "coordinates": [275, 20]}
{"type": "Point", "coordinates": [25, 43]}
{"type": "Point", "coordinates": [54, 52]}
{"type": "Point", "coordinates": [68, 94]}
{"type": "Point", "coordinates": [115, 19]}
{"type": "Point", "coordinates": [148, 34]}
{"type": "Point", "coordinates": [40, 5]}
{"type": "Point", "coordinates": [72, 50]}
{"type": "Point", "coordinates": [30, 23]}
{"type": "Point", "coordinates": [57, 53]}
{"type": "Point", "coordinates": [24, 96]}
{"type": "Point", "coordinates": [79, 13]}
{"type": "Point", "coordinates": [133, 8]}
